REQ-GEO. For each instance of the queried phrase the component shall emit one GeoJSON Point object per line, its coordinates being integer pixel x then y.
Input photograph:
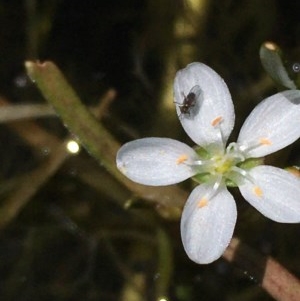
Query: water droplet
{"type": "Point", "coordinates": [296, 67]}
{"type": "Point", "coordinates": [73, 172]}
{"type": "Point", "coordinates": [250, 277]}
{"type": "Point", "coordinates": [21, 81]}
{"type": "Point", "coordinates": [46, 151]}
{"type": "Point", "coordinates": [73, 147]}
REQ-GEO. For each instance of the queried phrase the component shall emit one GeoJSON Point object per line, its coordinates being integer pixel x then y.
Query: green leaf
{"type": "Point", "coordinates": [272, 60]}
{"type": "Point", "coordinates": [94, 137]}
{"type": "Point", "coordinates": [76, 117]}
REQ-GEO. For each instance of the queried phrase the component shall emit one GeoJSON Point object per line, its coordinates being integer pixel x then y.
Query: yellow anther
{"type": "Point", "coordinates": [257, 191]}
{"type": "Point", "coordinates": [265, 141]}
{"type": "Point", "coordinates": [203, 202]}
{"type": "Point", "coordinates": [293, 170]}
{"type": "Point", "coordinates": [270, 46]}
{"type": "Point", "coordinates": [181, 159]}
{"type": "Point", "coordinates": [216, 121]}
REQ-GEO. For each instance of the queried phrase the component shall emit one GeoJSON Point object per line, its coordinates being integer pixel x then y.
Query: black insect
{"type": "Point", "coordinates": [189, 101]}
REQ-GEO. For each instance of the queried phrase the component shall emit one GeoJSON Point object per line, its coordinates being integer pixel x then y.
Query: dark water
{"type": "Point", "coordinates": [81, 235]}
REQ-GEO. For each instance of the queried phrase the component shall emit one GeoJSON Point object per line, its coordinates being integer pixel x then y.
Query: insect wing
{"type": "Point", "coordinates": [196, 90]}
{"type": "Point", "coordinates": [190, 104]}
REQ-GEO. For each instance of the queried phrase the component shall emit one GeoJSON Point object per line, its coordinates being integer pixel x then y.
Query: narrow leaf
{"type": "Point", "coordinates": [272, 61]}
{"type": "Point", "coordinates": [93, 136]}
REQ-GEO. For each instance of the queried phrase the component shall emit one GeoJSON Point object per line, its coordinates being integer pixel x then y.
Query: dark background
{"type": "Point", "coordinates": [80, 241]}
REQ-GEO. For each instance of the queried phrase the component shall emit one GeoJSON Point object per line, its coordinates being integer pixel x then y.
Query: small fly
{"type": "Point", "coordinates": [189, 101]}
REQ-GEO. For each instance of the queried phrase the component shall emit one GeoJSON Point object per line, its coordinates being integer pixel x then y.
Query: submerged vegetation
{"type": "Point", "coordinates": [97, 75]}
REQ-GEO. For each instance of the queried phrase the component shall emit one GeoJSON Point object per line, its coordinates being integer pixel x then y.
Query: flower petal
{"type": "Point", "coordinates": [156, 161]}
{"type": "Point", "coordinates": [272, 125]}
{"type": "Point", "coordinates": [206, 229]}
{"type": "Point", "coordinates": [274, 192]}
{"type": "Point", "coordinates": [210, 119]}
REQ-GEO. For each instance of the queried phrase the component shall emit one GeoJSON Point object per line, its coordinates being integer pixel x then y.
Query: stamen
{"type": "Point", "coordinates": [211, 193]}
{"type": "Point", "coordinates": [246, 147]}
{"type": "Point", "coordinates": [257, 191]}
{"type": "Point", "coordinates": [243, 147]}
{"type": "Point", "coordinates": [216, 121]}
{"type": "Point", "coordinates": [265, 141]}
{"type": "Point", "coordinates": [217, 184]}
{"type": "Point", "coordinates": [202, 166]}
{"type": "Point", "coordinates": [238, 175]}
{"type": "Point", "coordinates": [208, 164]}
{"type": "Point", "coordinates": [181, 159]}
{"type": "Point", "coordinates": [235, 150]}
{"type": "Point", "coordinates": [216, 124]}
{"type": "Point", "coordinates": [240, 171]}
{"type": "Point", "coordinates": [199, 162]}
{"type": "Point", "coordinates": [203, 202]}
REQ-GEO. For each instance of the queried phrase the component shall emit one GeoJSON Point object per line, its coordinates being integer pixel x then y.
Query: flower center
{"type": "Point", "coordinates": [222, 164]}
{"type": "Point", "coordinates": [229, 167]}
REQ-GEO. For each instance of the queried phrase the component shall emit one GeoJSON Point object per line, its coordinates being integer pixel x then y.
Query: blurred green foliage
{"type": "Point", "coordinates": [82, 235]}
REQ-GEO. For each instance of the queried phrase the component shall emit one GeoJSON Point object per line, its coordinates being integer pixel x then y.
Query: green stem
{"type": "Point", "coordinates": [273, 277]}
{"type": "Point", "coordinates": [93, 136]}
{"type": "Point", "coordinates": [75, 115]}
{"type": "Point", "coordinates": [165, 265]}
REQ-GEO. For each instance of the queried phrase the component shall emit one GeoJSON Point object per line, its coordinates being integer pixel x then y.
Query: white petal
{"type": "Point", "coordinates": [275, 193]}
{"type": "Point", "coordinates": [210, 120]}
{"type": "Point", "coordinates": [206, 231]}
{"type": "Point", "coordinates": [156, 161]}
{"type": "Point", "coordinates": [272, 125]}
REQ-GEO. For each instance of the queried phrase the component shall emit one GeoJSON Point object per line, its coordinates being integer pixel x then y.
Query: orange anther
{"type": "Point", "coordinates": [258, 192]}
{"type": "Point", "coordinates": [202, 203]}
{"type": "Point", "coordinates": [181, 159]}
{"type": "Point", "coordinates": [265, 141]}
{"type": "Point", "coordinates": [216, 121]}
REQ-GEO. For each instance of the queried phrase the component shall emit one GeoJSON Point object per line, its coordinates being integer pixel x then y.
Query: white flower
{"type": "Point", "coordinates": [207, 115]}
